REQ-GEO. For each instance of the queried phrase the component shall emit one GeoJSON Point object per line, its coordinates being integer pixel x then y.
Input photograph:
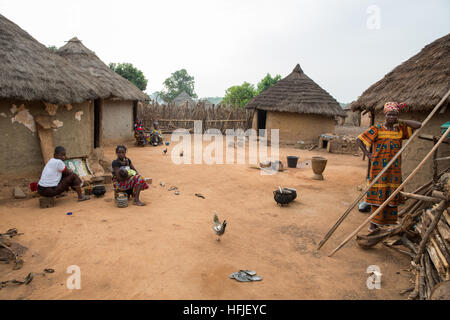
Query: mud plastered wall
{"type": "Point", "coordinates": [21, 152]}
{"type": "Point", "coordinates": [117, 121]}
{"type": "Point", "coordinates": [294, 126]}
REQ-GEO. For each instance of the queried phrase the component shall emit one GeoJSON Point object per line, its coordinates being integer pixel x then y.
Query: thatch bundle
{"type": "Point", "coordinates": [112, 84]}
{"type": "Point", "coordinates": [297, 93]}
{"type": "Point", "coordinates": [421, 81]}
{"type": "Point", "coordinates": [30, 71]}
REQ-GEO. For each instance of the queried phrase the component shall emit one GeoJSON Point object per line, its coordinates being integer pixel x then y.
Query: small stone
{"type": "Point", "coordinates": [177, 193]}
{"type": "Point", "coordinates": [18, 193]}
{"type": "Point", "coordinates": [162, 184]}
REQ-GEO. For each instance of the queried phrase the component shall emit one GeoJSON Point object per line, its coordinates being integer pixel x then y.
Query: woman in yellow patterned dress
{"type": "Point", "coordinates": [386, 140]}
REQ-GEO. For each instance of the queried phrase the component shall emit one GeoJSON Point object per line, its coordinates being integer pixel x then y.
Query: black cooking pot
{"type": "Point", "coordinates": [98, 190]}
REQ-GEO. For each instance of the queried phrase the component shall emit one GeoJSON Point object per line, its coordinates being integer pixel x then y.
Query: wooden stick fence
{"type": "Point", "coordinates": [171, 116]}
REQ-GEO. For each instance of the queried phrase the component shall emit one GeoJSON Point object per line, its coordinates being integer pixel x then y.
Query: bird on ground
{"type": "Point", "coordinates": [219, 227]}
{"type": "Point", "coordinates": [165, 150]}
{"type": "Point", "coordinates": [181, 153]}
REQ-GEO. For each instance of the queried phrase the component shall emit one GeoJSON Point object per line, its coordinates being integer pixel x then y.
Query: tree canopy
{"type": "Point", "coordinates": [239, 95]}
{"type": "Point", "coordinates": [131, 73]}
{"type": "Point", "coordinates": [52, 48]}
{"type": "Point", "coordinates": [267, 82]}
{"type": "Point", "coordinates": [178, 82]}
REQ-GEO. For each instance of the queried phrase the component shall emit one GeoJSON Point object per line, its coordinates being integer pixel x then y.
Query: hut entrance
{"type": "Point", "coordinates": [262, 115]}
{"type": "Point", "coordinates": [96, 123]}
{"type": "Point", "coordinates": [135, 111]}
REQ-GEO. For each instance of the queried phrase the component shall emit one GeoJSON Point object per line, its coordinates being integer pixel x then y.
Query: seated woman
{"type": "Point", "coordinates": [141, 137]}
{"type": "Point", "coordinates": [156, 134]}
{"type": "Point", "coordinates": [56, 178]}
{"type": "Point", "coordinates": [125, 176]}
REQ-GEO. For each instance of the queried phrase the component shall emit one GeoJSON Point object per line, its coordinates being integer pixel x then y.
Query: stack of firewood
{"type": "Point", "coordinates": [424, 231]}
{"type": "Point", "coordinates": [432, 255]}
{"type": "Point", "coordinates": [431, 262]}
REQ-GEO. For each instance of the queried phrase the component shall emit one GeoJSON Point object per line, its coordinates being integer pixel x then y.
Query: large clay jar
{"type": "Point", "coordinates": [318, 166]}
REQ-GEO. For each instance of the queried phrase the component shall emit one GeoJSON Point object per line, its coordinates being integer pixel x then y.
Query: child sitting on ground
{"type": "Point", "coordinates": [56, 178]}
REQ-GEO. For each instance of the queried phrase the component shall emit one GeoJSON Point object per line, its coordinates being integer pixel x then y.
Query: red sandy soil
{"type": "Point", "coordinates": [167, 249]}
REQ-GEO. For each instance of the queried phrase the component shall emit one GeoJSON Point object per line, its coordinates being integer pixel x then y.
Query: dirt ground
{"type": "Point", "coordinates": [167, 249]}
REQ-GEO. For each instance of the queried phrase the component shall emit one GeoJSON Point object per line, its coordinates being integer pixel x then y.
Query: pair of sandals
{"type": "Point", "coordinates": [245, 276]}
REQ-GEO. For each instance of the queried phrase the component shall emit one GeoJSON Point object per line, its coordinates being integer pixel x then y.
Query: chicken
{"type": "Point", "coordinates": [165, 150]}
{"type": "Point", "coordinates": [218, 227]}
{"type": "Point", "coordinates": [181, 153]}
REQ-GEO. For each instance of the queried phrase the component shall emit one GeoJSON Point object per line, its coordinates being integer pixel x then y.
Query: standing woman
{"type": "Point", "coordinates": [386, 141]}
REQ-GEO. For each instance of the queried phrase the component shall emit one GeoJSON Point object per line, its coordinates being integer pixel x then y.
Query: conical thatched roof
{"type": "Point", "coordinates": [420, 81]}
{"type": "Point", "coordinates": [297, 93]}
{"type": "Point", "coordinates": [182, 98]}
{"type": "Point", "coordinates": [113, 85]}
{"type": "Point", "coordinates": [30, 71]}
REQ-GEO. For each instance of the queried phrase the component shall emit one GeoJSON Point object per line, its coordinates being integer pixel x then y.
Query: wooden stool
{"type": "Point", "coordinates": [46, 202]}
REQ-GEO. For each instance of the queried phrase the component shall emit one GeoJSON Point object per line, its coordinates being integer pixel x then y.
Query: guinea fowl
{"type": "Point", "coordinates": [218, 227]}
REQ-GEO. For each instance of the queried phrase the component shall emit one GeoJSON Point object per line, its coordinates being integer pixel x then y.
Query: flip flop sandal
{"type": "Point", "coordinates": [84, 199]}
{"type": "Point", "coordinates": [245, 276]}
{"type": "Point", "coordinates": [249, 272]}
{"type": "Point", "coordinates": [242, 277]}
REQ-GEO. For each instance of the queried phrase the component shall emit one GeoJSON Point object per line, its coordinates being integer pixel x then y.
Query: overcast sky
{"type": "Point", "coordinates": [344, 45]}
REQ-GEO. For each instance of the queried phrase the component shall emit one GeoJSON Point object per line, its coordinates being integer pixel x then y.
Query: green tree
{"type": "Point", "coordinates": [178, 82]}
{"type": "Point", "coordinates": [267, 82]}
{"type": "Point", "coordinates": [52, 48]}
{"type": "Point", "coordinates": [239, 95]}
{"type": "Point", "coordinates": [132, 74]}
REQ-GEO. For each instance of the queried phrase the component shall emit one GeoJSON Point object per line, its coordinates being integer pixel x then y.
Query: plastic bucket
{"type": "Point", "coordinates": [292, 161]}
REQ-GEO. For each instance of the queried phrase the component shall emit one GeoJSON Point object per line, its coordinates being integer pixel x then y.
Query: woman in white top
{"type": "Point", "coordinates": [56, 178]}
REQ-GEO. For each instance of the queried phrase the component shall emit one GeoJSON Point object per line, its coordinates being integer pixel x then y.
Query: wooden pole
{"type": "Point", "coordinates": [439, 210]}
{"type": "Point", "coordinates": [393, 193]}
{"type": "Point", "coordinates": [420, 197]}
{"type": "Point", "coordinates": [355, 202]}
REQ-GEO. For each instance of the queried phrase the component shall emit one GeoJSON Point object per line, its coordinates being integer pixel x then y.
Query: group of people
{"type": "Point", "coordinates": [380, 143]}
{"type": "Point", "coordinates": [56, 178]}
{"type": "Point", "coordinates": [142, 138]}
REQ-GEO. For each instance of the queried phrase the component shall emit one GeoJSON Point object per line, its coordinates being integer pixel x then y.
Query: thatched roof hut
{"type": "Point", "coordinates": [420, 81]}
{"type": "Point", "coordinates": [297, 93]}
{"type": "Point", "coordinates": [31, 72]}
{"type": "Point", "coordinates": [298, 107]}
{"type": "Point", "coordinates": [184, 98]}
{"type": "Point", "coordinates": [113, 85]}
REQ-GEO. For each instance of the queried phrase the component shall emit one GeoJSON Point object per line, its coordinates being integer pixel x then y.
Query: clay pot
{"type": "Point", "coordinates": [318, 166]}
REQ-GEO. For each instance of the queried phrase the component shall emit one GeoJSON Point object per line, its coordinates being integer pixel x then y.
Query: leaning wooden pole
{"type": "Point", "coordinates": [393, 193]}
{"type": "Point", "coordinates": [355, 202]}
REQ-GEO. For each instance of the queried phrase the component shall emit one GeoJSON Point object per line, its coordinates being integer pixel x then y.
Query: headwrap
{"type": "Point", "coordinates": [393, 106]}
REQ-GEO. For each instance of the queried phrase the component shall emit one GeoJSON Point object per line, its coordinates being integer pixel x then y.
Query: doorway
{"type": "Point", "coordinates": [97, 123]}
{"type": "Point", "coordinates": [262, 116]}
{"type": "Point", "coordinates": [135, 113]}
